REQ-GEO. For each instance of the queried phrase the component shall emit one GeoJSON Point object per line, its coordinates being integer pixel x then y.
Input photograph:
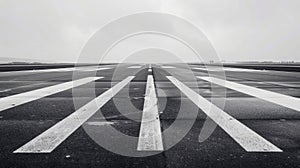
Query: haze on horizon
{"type": "Point", "coordinates": [56, 31]}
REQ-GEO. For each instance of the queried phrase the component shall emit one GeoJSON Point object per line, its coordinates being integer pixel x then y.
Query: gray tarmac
{"type": "Point", "coordinates": [278, 124]}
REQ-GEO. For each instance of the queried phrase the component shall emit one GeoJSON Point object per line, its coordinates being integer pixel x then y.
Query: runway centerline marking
{"type": "Point", "coordinates": [150, 138]}
{"type": "Point", "coordinates": [277, 98]}
{"type": "Point", "coordinates": [244, 136]}
{"type": "Point", "coordinates": [54, 136]}
{"type": "Point", "coordinates": [22, 98]}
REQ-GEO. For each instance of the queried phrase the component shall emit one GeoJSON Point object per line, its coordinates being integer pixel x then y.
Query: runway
{"type": "Point", "coordinates": [48, 114]}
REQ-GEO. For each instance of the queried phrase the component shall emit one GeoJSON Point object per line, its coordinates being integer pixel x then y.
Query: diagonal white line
{"type": "Point", "coordinates": [135, 66]}
{"type": "Point", "coordinates": [277, 98]}
{"type": "Point", "coordinates": [40, 70]}
{"type": "Point", "coordinates": [244, 136]}
{"type": "Point", "coordinates": [56, 70]}
{"type": "Point", "coordinates": [54, 136]}
{"type": "Point", "coordinates": [98, 69]}
{"type": "Point", "coordinates": [167, 67]}
{"type": "Point", "coordinates": [18, 87]}
{"type": "Point", "coordinates": [22, 98]}
{"type": "Point", "coordinates": [150, 138]}
{"type": "Point", "coordinates": [204, 69]}
{"type": "Point", "coordinates": [227, 69]}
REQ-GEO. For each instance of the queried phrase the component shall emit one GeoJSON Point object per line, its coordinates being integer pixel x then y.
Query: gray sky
{"type": "Point", "coordinates": [248, 30]}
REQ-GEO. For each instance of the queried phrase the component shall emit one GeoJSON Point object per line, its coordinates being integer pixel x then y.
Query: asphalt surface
{"type": "Point", "coordinates": [276, 123]}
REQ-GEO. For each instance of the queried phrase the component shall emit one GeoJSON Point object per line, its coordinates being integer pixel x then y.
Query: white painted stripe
{"type": "Point", "coordinates": [227, 69]}
{"type": "Point", "coordinates": [19, 87]}
{"type": "Point", "coordinates": [277, 98]}
{"type": "Point", "coordinates": [149, 70]}
{"type": "Point", "coordinates": [241, 69]}
{"type": "Point", "coordinates": [167, 67]}
{"type": "Point", "coordinates": [56, 70]}
{"type": "Point", "coordinates": [202, 69]}
{"type": "Point", "coordinates": [137, 66]}
{"type": "Point", "coordinates": [98, 69]}
{"type": "Point", "coordinates": [54, 136]}
{"type": "Point", "coordinates": [40, 70]}
{"type": "Point", "coordinates": [150, 138]}
{"type": "Point", "coordinates": [288, 84]}
{"type": "Point", "coordinates": [248, 139]}
{"type": "Point", "coordinates": [22, 98]}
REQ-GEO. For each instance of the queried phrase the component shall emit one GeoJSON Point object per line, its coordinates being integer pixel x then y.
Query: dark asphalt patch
{"type": "Point", "coordinates": [220, 150]}
{"type": "Point", "coordinates": [277, 124]}
{"type": "Point", "coordinates": [43, 109]}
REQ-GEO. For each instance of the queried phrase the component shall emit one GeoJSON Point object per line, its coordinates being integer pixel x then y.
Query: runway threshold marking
{"type": "Point", "coordinates": [41, 70]}
{"type": "Point", "coordinates": [244, 136]}
{"type": "Point", "coordinates": [19, 87]}
{"type": "Point", "coordinates": [228, 69]}
{"type": "Point", "coordinates": [167, 67]}
{"type": "Point", "coordinates": [277, 98]}
{"type": "Point", "coordinates": [22, 98]}
{"type": "Point", "coordinates": [133, 67]}
{"type": "Point", "coordinates": [98, 69]}
{"type": "Point", "coordinates": [57, 70]}
{"type": "Point", "coordinates": [204, 69]}
{"type": "Point", "coordinates": [150, 138]}
{"type": "Point", "coordinates": [54, 136]}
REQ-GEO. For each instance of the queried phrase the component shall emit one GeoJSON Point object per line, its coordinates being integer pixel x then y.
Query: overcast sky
{"type": "Point", "coordinates": [240, 30]}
